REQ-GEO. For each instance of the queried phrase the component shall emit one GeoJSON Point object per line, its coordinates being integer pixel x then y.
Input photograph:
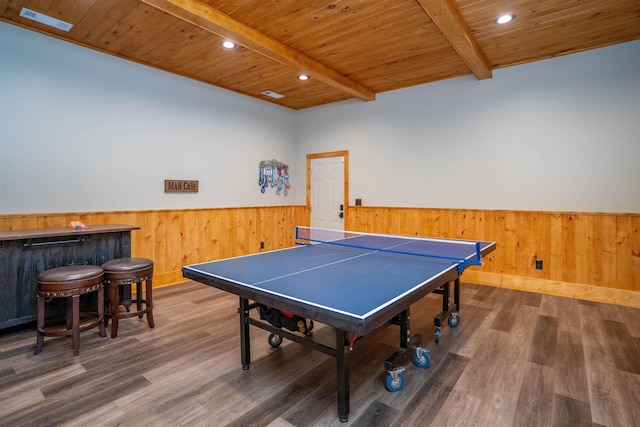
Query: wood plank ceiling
{"type": "Point", "coordinates": [349, 48]}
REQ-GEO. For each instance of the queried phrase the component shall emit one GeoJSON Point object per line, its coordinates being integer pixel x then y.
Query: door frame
{"type": "Point", "coordinates": [345, 155]}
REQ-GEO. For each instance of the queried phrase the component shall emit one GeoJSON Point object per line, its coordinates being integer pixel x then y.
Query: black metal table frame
{"type": "Point", "coordinates": [342, 344]}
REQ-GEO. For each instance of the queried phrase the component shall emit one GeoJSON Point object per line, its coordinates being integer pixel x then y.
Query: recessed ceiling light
{"type": "Point", "coordinates": [505, 19]}
{"type": "Point", "coordinates": [228, 44]}
{"type": "Point", "coordinates": [303, 77]}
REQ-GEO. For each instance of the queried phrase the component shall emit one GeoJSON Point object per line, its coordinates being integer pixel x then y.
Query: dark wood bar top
{"type": "Point", "coordinates": [34, 233]}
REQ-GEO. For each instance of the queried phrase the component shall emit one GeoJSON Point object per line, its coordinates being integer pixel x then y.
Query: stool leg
{"type": "Point", "coordinates": [40, 325]}
{"type": "Point", "coordinates": [149, 302]}
{"type": "Point", "coordinates": [107, 303]}
{"type": "Point", "coordinates": [76, 324]}
{"type": "Point", "coordinates": [139, 298]}
{"type": "Point", "coordinates": [113, 309]}
{"type": "Point", "coordinates": [101, 315]}
{"type": "Point", "coordinates": [69, 318]}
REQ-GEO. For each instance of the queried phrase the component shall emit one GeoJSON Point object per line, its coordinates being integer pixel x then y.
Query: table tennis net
{"type": "Point", "coordinates": [463, 252]}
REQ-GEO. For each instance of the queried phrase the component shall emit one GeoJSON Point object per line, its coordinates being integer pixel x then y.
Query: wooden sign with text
{"type": "Point", "coordinates": [180, 186]}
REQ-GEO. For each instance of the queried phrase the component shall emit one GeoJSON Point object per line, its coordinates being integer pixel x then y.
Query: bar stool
{"type": "Point", "coordinates": [69, 282]}
{"type": "Point", "coordinates": [122, 272]}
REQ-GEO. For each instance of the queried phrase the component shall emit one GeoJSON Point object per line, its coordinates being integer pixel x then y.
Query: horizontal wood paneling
{"type": "Point", "coordinates": [594, 249]}
{"type": "Point", "coordinates": [174, 238]}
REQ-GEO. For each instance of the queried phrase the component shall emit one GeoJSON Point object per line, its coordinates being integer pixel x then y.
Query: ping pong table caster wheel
{"type": "Point", "coordinates": [454, 320]}
{"type": "Point", "coordinates": [274, 340]}
{"type": "Point", "coordinates": [437, 334]}
{"type": "Point", "coordinates": [421, 358]}
{"type": "Point", "coordinates": [395, 380]}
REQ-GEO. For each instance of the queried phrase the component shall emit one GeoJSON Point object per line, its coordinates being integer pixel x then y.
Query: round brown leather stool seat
{"type": "Point", "coordinates": [125, 272]}
{"type": "Point", "coordinates": [69, 282]}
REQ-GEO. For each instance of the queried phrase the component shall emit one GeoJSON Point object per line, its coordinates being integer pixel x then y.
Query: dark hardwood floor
{"type": "Point", "coordinates": [516, 359]}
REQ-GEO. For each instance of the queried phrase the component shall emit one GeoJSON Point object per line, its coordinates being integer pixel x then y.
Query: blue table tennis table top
{"type": "Point", "coordinates": [341, 281]}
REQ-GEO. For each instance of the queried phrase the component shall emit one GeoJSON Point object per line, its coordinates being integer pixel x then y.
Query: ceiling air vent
{"type": "Point", "coordinates": [45, 19]}
{"type": "Point", "coordinates": [272, 94]}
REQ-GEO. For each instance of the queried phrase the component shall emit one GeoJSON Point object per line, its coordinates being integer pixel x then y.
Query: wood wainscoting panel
{"type": "Point", "coordinates": [593, 256]}
{"type": "Point", "coordinates": [174, 238]}
{"type": "Point", "coordinates": [599, 253]}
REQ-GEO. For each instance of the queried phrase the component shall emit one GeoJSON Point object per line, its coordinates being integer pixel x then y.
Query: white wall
{"type": "Point", "coordinates": [85, 131]}
{"type": "Point", "coordinates": [560, 134]}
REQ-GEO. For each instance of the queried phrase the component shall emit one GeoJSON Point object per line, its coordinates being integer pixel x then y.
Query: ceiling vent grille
{"type": "Point", "coordinates": [45, 19]}
{"type": "Point", "coordinates": [272, 94]}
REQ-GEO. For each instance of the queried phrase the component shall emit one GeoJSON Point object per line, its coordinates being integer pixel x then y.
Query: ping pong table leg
{"type": "Point", "coordinates": [404, 321]}
{"type": "Point", "coordinates": [395, 380]}
{"type": "Point", "coordinates": [342, 368]}
{"type": "Point", "coordinates": [445, 297]}
{"type": "Point", "coordinates": [245, 343]}
{"type": "Point", "coordinates": [450, 311]}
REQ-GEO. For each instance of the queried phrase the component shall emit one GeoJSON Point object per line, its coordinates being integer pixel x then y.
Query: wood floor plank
{"type": "Point", "coordinates": [310, 409]}
{"type": "Point", "coordinates": [504, 320]}
{"type": "Point", "coordinates": [625, 351]}
{"type": "Point", "coordinates": [631, 319]}
{"type": "Point", "coordinates": [19, 401]}
{"type": "Point", "coordinates": [376, 414]}
{"type": "Point", "coordinates": [365, 372]}
{"type": "Point", "coordinates": [630, 385]}
{"type": "Point", "coordinates": [535, 401]}
{"type": "Point", "coordinates": [501, 366]}
{"type": "Point", "coordinates": [606, 397]}
{"type": "Point", "coordinates": [564, 309]}
{"type": "Point", "coordinates": [106, 415]}
{"type": "Point", "coordinates": [570, 412]}
{"type": "Point", "coordinates": [611, 312]}
{"type": "Point", "coordinates": [545, 337]}
{"type": "Point", "coordinates": [484, 298]}
{"type": "Point", "coordinates": [517, 298]}
{"type": "Point", "coordinates": [188, 385]}
{"type": "Point", "coordinates": [507, 360]}
{"type": "Point", "coordinates": [279, 422]}
{"type": "Point", "coordinates": [498, 407]}
{"type": "Point", "coordinates": [570, 369]}
{"type": "Point", "coordinates": [269, 409]}
{"type": "Point", "coordinates": [484, 293]}
{"type": "Point", "coordinates": [7, 372]}
{"type": "Point", "coordinates": [481, 370]}
{"type": "Point", "coordinates": [60, 409]}
{"type": "Point", "coordinates": [435, 391]}
{"type": "Point", "coordinates": [458, 410]}
{"type": "Point", "coordinates": [469, 335]}
{"type": "Point", "coordinates": [531, 299]}
{"type": "Point", "coordinates": [23, 382]}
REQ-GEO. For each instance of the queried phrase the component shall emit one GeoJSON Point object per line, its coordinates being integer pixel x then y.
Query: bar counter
{"type": "Point", "coordinates": [24, 254]}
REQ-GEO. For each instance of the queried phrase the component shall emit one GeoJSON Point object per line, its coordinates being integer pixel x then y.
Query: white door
{"type": "Point", "coordinates": [327, 192]}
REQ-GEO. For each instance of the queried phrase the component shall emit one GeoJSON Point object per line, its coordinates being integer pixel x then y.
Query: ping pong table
{"type": "Point", "coordinates": [356, 283]}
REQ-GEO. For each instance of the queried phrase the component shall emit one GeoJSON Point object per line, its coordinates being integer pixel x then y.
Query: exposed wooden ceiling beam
{"type": "Point", "coordinates": [216, 22]}
{"type": "Point", "coordinates": [450, 23]}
